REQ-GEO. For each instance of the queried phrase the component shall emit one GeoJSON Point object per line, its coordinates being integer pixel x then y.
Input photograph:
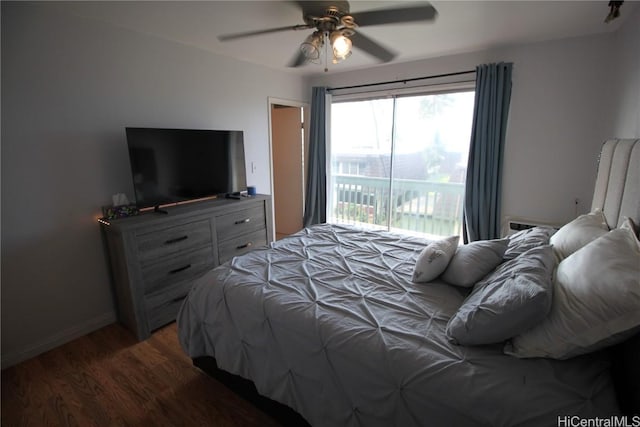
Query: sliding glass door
{"type": "Point", "coordinates": [398, 163]}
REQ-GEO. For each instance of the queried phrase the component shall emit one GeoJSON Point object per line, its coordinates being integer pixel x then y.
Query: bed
{"type": "Point", "coordinates": [330, 323]}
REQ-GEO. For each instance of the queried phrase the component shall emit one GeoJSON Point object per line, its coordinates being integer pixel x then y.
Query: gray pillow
{"type": "Point", "coordinates": [434, 258]}
{"type": "Point", "coordinates": [473, 261]}
{"type": "Point", "coordinates": [512, 299]}
{"type": "Point", "coordinates": [523, 240]}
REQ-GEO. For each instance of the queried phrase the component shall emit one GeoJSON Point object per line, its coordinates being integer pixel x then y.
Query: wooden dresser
{"type": "Point", "coordinates": [155, 257]}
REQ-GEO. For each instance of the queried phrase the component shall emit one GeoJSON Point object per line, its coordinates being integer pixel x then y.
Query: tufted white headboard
{"type": "Point", "coordinates": [617, 189]}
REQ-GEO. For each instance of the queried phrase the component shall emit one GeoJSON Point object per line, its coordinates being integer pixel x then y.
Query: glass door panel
{"type": "Point", "coordinates": [431, 146]}
{"type": "Point", "coordinates": [360, 162]}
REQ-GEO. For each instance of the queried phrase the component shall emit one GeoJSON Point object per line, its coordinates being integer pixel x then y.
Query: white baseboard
{"type": "Point", "coordinates": [58, 339]}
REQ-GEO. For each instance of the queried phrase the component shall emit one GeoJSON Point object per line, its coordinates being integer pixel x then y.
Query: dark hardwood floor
{"type": "Point", "coordinates": [107, 378]}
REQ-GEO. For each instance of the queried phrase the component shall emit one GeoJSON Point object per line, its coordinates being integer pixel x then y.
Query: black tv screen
{"type": "Point", "coordinates": [175, 165]}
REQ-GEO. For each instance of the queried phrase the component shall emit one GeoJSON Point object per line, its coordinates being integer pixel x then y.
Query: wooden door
{"type": "Point", "coordinates": [288, 167]}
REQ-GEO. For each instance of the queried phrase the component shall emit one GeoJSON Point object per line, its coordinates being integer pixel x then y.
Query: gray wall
{"type": "Point", "coordinates": [624, 80]}
{"type": "Point", "coordinates": [69, 87]}
{"type": "Point", "coordinates": [568, 96]}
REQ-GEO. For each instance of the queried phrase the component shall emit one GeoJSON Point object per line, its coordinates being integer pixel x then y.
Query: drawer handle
{"type": "Point", "coordinates": [243, 221]}
{"type": "Point", "coordinates": [176, 240]}
{"type": "Point", "coordinates": [246, 245]}
{"type": "Point", "coordinates": [178, 270]}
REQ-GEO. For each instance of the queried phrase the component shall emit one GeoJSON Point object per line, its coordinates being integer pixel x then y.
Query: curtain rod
{"type": "Point", "coordinates": [402, 81]}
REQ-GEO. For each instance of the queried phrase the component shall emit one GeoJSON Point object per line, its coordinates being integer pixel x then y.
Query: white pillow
{"type": "Point", "coordinates": [577, 233]}
{"type": "Point", "coordinates": [596, 300]}
{"type": "Point", "coordinates": [473, 261]}
{"type": "Point", "coordinates": [433, 259]}
{"type": "Point", "coordinates": [628, 223]}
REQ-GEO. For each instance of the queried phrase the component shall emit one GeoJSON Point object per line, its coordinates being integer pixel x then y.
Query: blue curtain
{"type": "Point", "coordinates": [486, 152]}
{"type": "Point", "coordinates": [315, 210]}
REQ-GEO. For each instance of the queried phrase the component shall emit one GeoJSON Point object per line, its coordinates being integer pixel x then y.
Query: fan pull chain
{"type": "Point", "coordinates": [326, 47]}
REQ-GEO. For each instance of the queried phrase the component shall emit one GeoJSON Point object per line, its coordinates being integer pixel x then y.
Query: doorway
{"type": "Point", "coordinates": [288, 153]}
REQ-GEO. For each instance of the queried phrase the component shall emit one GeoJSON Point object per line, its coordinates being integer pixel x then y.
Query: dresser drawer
{"type": "Point", "coordinates": [164, 313]}
{"type": "Point", "coordinates": [162, 307]}
{"type": "Point", "coordinates": [167, 241]}
{"type": "Point", "coordinates": [242, 244]}
{"type": "Point", "coordinates": [184, 267]}
{"type": "Point", "coordinates": [241, 222]}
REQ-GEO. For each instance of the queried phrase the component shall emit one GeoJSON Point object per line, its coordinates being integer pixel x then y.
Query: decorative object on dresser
{"type": "Point", "coordinates": [155, 258]}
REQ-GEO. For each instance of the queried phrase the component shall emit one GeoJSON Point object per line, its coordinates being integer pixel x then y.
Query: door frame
{"type": "Point", "coordinates": [306, 111]}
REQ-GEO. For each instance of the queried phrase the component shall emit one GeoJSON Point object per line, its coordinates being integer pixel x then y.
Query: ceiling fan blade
{"type": "Point", "coordinates": [234, 36]}
{"type": "Point", "coordinates": [395, 15]}
{"type": "Point", "coordinates": [372, 47]}
{"type": "Point", "coordinates": [298, 60]}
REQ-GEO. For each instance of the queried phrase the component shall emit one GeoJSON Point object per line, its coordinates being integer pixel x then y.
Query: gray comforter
{"type": "Point", "coordinates": [329, 323]}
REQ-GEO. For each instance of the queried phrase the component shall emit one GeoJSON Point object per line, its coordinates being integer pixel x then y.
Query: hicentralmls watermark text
{"type": "Point", "coordinates": [615, 421]}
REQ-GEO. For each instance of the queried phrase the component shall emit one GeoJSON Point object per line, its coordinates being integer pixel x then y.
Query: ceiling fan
{"type": "Point", "coordinates": [334, 25]}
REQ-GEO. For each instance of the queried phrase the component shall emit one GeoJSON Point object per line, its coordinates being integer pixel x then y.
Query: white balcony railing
{"type": "Point", "coordinates": [430, 208]}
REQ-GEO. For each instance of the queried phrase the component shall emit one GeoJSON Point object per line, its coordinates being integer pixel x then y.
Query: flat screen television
{"type": "Point", "coordinates": [170, 166]}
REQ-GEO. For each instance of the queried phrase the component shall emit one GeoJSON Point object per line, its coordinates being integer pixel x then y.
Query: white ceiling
{"type": "Point", "coordinates": [461, 26]}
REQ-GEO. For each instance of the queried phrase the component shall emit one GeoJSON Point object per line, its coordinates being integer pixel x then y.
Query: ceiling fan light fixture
{"type": "Point", "coordinates": [311, 46]}
{"type": "Point", "coordinates": [341, 46]}
{"type": "Point", "coordinates": [333, 23]}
